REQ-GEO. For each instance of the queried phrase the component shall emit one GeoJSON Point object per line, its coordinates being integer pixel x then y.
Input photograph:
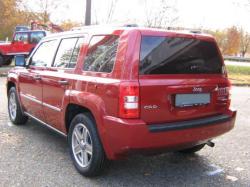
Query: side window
{"type": "Point", "coordinates": [64, 52]}
{"type": "Point", "coordinates": [35, 37]}
{"type": "Point", "coordinates": [44, 55]}
{"type": "Point", "coordinates": [76, 52]}
{"type": "Point", "coordinates": [101, 54]}
{"type": "Point", "coordinates": [21, 37]}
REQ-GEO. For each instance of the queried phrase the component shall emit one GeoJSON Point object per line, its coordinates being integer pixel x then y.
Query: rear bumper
{"type": "Point", "coordinates": [123, 137]}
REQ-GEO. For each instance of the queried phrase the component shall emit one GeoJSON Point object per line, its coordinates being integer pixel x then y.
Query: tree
{"type": "Point", "coordinates": [233, 41]}
{"type": "Point", "coordinates": [111, 10]}
{"type": "Point", "coordinates": [244, 42]}
{"type": "Point", "coordinates": [221, 38]}
{"type": "Point", "coordinates": [68, 25]}
{"type": "Point", "coordinates": [161, 16]}
{"type": "Point", "coordinates": [43, 9]}
{"type": "Point", "coordinates": [111, 4]}
{"type": "Point", "coordinates": [13, 13]}
{"type": "Point", "coordinates": [8, 10]}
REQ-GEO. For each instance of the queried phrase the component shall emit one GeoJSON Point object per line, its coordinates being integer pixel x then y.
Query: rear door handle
{"type": "Point", "coordinates": [63, 82]}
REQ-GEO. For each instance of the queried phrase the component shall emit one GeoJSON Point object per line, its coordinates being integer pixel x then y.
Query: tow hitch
{"type": "Point", "coordinates": [210, 144]}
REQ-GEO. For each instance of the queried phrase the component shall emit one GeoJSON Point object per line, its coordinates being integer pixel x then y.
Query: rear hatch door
{"type": "Point", "coordinates": [179, 78]}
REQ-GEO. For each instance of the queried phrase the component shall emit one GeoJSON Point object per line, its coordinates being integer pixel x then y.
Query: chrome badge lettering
{"type": "Point", "coordinates": [197, 89]}
{"type": "Point", "coordinates": [151, 107]}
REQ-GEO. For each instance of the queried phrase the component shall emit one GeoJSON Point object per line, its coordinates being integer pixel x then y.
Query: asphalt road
{"type": "Point", "coordinates": [32, 155]}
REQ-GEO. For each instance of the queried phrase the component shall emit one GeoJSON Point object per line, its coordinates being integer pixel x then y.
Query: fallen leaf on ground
{"type": "Point", "coordinates": [231, 178]}
{"type": "Point", "coordinates": [239, 169]}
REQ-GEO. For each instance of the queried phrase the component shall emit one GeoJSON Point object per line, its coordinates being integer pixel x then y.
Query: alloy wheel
{"type": "Point", "coordinates": [82, 145]}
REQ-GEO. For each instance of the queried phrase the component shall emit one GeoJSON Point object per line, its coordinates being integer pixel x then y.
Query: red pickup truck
{"type": "Point", "coordinates": [119, 91]}
{"type": "Point", "coordinates": [23, 43]}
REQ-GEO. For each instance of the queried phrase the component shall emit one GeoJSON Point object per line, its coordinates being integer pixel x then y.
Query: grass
{"type": "Point", "coordinates": [239, 75]}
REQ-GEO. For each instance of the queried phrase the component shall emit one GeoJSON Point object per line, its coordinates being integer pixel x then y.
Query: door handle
{"type": "Point", "coordinates": [63, 82]}
{"type": "Point", "coordinates": [37, 77]}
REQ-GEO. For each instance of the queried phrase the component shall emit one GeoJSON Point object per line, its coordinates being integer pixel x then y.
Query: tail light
{"type": "Point", "coordinates": [224, 96]}
{"type": "Point", "coordinates": [129, 100]}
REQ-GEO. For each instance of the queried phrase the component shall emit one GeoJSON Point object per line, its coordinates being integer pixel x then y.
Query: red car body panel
{"type": "Point", "coordinates": [99, 93]}
{"type": "Point", "coordinates": [133, 136]}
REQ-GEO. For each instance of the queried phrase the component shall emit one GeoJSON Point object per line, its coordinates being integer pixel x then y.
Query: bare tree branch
{"type": "Point", "coordinates": [111, 10]}
{"type": "Point", "coordinates": [244, 42]}
{"type": "Point", "coordinates": [162, 16]}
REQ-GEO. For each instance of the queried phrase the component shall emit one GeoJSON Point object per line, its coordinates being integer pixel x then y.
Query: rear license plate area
{"type": "Point", "coordinates": [189, 100]}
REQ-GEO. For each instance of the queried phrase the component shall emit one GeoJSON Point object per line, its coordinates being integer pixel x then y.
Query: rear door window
{"type": "Point", "coordinates": [75, 53]}
{"type": "Point", "coordinates": [101, 54]}
{"type": "Point", "coordinates": [64, 52]}
{"type": "Point", "coordinates": [163, 55]}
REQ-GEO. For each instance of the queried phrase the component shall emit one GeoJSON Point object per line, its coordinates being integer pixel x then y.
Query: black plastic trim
{"type": "Point", "coordinates": [189, 124]}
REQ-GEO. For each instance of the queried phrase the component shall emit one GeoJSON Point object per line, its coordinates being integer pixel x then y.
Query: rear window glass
{"type": "Point", "coordinates": [162, 55]}
{"type": "Point", "coordinates": [101, 54]}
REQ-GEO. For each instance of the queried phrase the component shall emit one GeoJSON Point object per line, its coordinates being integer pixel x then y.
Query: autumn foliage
{"type": "Point", "coordinates": [233, 41]}
{"type": "Point", "coordinates": [14, 12]}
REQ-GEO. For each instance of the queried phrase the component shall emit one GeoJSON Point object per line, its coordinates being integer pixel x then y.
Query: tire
{"type": "Point", "coordinates": [88, 156]}
{"type": "Point", "coordinates": [8, 62]}
{"type": "Point", "coordinates": [193, 149]}
{"type": "Point", "coordinates": [1, 60]}
{"type": "Point", "coordinates": [15, 113]}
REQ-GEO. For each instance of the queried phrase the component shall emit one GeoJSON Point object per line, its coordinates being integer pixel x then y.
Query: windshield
{"type": "Point", "coordinates": [163, 55]}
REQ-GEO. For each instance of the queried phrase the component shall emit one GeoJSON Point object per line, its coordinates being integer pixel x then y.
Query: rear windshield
{"type": "Point", "coordinates": [162, 55]}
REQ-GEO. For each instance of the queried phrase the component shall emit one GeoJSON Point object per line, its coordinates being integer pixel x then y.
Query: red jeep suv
{"type": "Point", "coordinates": [120, 91]}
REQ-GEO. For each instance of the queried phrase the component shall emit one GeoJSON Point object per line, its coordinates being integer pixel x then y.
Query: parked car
{"type": "Point", "coordinates": [120, 91]}
{"type": "Point", "coordinates": [23, 43]}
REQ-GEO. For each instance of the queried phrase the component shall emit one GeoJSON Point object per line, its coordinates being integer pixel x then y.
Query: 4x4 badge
{"type": "Point", "coordinates": [151, 107]}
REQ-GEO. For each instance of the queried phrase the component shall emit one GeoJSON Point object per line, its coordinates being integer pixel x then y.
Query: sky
{"type": "Point", "coordinates": [206, 14]}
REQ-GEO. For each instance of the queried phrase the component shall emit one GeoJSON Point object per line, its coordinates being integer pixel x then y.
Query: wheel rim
{"type": "Point", "coordinates": [12, 105]}
{"type": "Point", "coordinates": [82, 145]}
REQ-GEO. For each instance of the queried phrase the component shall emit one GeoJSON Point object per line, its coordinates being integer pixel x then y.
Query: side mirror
{"type": "Point", "coordinates": [20, 61]}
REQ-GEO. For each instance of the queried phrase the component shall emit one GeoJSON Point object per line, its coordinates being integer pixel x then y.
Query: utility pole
{"type": "Point", "coordinates": [88, 13]}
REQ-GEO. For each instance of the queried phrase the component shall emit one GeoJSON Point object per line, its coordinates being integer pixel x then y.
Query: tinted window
{"type": "Point", "coordinates": [101, 54]}
{"type": "Point", "coordinates": [76, 52]}
{"type": "Point", "coordinates": [35, 37]}
{"type": "Point", "coordinates": [64, 52]}
{"type": "Point", "coordinates": [21, 37]}
{"type": "Point", "coordinates": [161, 55]}
{"type": "Point", "coordinates": [44, 55]}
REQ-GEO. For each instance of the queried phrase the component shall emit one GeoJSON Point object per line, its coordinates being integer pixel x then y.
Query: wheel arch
{"type": "Point", "coordinates": [73, 109]}
{"type": "Point", "coordinates": [10, 84]}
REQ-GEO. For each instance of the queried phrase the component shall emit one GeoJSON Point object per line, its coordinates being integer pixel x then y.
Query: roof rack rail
{"type": "Point", "coordinates": [131, 25]}
{"type": "Point", "coordinates": [196, 31]}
